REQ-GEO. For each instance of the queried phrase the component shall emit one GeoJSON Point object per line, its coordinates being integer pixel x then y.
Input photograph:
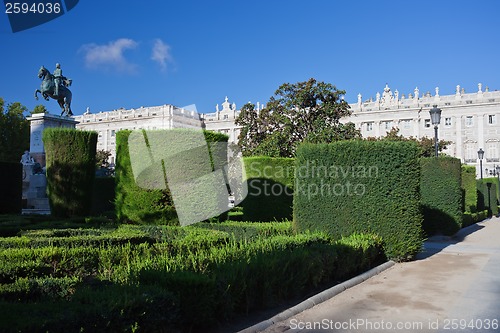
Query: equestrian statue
{"type": "Point", "coordinates": [55, 86]}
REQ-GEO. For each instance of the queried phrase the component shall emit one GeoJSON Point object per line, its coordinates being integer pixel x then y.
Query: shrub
{"type": "Point", "coordinates": [469, 188]}
{"type": "Point", "coordinates": [103, 195]}
{"type": "Point", "coordinates": [441, 195]}
{"type": "Point", "coordinates": [487, 193]}
{"type": "Point", "coordinates": [361, 187]}
{"type": "Point", "coordinates": [11, 187]}
{"type": "Point", "coordinates": [152, 201]}
{"type": "Point", "coordinates": [191, 277]}
{"type": "Point", "coordinates": [471, 218]}
{"type": "Point", "coordinates": [70, 162]}
{"type": "Point", "coordinates": [270, 189]}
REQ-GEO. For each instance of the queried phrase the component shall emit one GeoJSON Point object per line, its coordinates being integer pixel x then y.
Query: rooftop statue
{"type": "Point", "coordinates": [55, 86]}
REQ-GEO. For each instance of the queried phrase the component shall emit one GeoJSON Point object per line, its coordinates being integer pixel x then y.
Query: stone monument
{"type": "Point", "coordinates": [34, 181]}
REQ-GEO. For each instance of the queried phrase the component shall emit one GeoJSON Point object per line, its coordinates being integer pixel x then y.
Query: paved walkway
{"type": "Point", "coordinates": [453, 286]}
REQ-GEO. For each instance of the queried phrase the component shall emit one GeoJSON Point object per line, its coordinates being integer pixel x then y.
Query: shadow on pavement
{"type": "Point", "coordinates": [436, 244]}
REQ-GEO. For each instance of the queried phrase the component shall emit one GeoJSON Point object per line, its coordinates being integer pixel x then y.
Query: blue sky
{"type": "Point", "coordinates": [146, 53]}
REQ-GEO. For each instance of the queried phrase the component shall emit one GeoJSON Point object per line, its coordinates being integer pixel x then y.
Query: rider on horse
{"type": "Point", "coordinates": [55, 86]}
{"type": "Point", "coordinates": [58, 77]}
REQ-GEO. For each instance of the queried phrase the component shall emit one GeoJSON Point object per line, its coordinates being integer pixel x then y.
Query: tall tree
{"type": "Point", "coordinates": [40, 108]}
{"type": "Point", "coordinates": [101, 158]}
{"type": "Point", "coordinates": [308, 111]}
{"type": "Point", "coordinates": [14, 131]}
{"type": "Point", "coordinates": [426, 144]}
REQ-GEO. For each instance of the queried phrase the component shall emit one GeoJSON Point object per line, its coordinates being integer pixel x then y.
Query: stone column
{"type": "Point", "coordinates": [459, 138]}
{"type": "Point", "coordinates": [39, 122]}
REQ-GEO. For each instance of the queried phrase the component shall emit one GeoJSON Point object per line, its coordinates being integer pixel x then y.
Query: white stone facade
{"type": "Point", "coordinates": [106, 124]}
{"type": "Point", "coordinates": [469, 120]}
{"type": "Point", "coordinates": [223, 120]}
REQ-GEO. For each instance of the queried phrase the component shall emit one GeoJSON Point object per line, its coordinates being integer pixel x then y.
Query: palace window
{"type": "Point", "coordinates": [369, 127]}
{"type": "Point", "coordinates": [492, 152]}
{"type": "Point", "coordinates": [112, 132]}
{"type": "Point", "coordinates": [447, 121]}
{"type": "Point", "coordinates": [388, 125]}
{"type": "Point", "coordinates": [492, 120]}
{"type": "Point", "coordinates": [470, 153]}
{"type": "Point", "coordinates": [469, 121]}
{"type": "Point", "coordinates": [406, 123]}
{"type": "Point", "coordinates": [427, 123]}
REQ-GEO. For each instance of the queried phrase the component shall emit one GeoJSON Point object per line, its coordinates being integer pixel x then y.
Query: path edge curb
{"type": "Point", "coordinates": [318, 298]}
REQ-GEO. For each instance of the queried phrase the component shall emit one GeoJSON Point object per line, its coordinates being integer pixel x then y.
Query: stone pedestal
{"type": "Point", "coordinates": [35, 195]}
{"type": "Point", "coordinates": [39, 122]}
{"type": "Point", "coordinates": [35, 185]}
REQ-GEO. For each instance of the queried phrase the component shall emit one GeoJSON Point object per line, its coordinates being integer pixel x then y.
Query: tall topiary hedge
{"type": "Point", "coordinates": [70, 163]}
{"type": "Point", "coordinates": [152, 201]}
{"type": "Point", "coordinates": [10, 187]}
{"type": "Point", "coordinates": [469, 188]}
{"type": "Point", "coordinates": [441, 195]}
{"type": "Point", "coordinates": [361, 186]}
{"type": "Point", "coordinates": [270, 189]}
{"type": "Point", "coordinates": [487, 193]}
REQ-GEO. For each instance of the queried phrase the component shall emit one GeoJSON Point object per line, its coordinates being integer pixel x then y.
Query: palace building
{"type": "Point", "coordinates": [469, 120]}
{"type": "Point", "coordinates": [106, 124]}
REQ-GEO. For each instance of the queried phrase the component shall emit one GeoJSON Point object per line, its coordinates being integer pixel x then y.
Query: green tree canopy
{"type": "Point", "coordinates": [39, 109]}
{"type": "Point", "coordinates": [101, 158]}
{"type": "Point", "coordinates": [426, 144]}
{"type": "Point", "coordinates": [308, 111]}
{"type": "Point", "coordinates": [14, 131]}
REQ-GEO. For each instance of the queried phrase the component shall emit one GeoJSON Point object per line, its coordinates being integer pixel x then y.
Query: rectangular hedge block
{"type": "Point", "coordinates": [270, 189]}
{"type": "Point", "coordinates": [441, 195]}
{"type": "Point", "coordinates": [364, 187]}
{"type": "Point", "coordinates": [469, 188]}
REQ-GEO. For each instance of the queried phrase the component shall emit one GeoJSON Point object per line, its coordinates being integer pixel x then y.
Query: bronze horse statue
{"type": "Point", "coordinates": [47, 90]}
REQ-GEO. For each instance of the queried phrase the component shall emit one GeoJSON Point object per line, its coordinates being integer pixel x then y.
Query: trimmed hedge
{"type": "Point", "coordinates": [469, 188]}
{"type": "Point", "coordinates": [270, 189]}
{"type": "Point", "coordinates": [361, 186]}
{"type": "Point", "coordinates": [189, 279]}
{"type": "Point", "coordinates": [152, 201]}
{"type": "Point", "coordinates": [471, 218]}
{"type": "Point", "coordinates": [103, 196]}
{"type": "Point", "coordinates": [441, 195]}
{"type": "Point", "coordinates": [11, 178]}
{"type": "Point", "coordinates": [487, 193]}
{"type": "Point", "coordinates": [70, 162]}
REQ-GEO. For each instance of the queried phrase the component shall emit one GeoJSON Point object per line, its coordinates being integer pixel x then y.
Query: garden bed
{"type": "Point", "coordinates": [102, 277]}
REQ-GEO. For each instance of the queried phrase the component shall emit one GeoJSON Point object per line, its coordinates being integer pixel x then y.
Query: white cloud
{"type": "Point", "coordinates": [109, 55]}
{"type": "Point", "coordinates": [161, 54]}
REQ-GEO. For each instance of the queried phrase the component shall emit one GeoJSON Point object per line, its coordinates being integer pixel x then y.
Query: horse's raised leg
{"type": "Point", "coordinates": [61, 105]}
{"type": "Point", "coordinates": [68, 108]}
{"type": "Point", "coordinates": [36, 92]}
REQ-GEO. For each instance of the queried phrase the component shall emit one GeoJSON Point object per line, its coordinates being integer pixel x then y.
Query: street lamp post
{"type": "Point", "coordinates": [480, 154]}
{"type": "Point", "coordinates": [435, 119]}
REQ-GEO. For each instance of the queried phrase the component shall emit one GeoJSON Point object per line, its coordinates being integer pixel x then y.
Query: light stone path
{"type": "Point", "coordinates": [453, 286]}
